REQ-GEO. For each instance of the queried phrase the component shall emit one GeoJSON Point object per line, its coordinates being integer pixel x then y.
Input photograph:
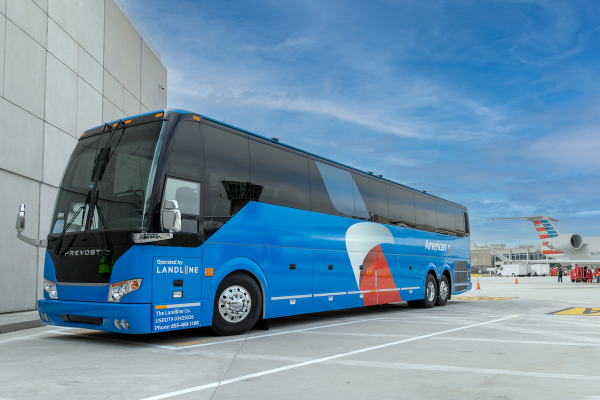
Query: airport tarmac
{"type": "Point", "coordinates": [538, 339]}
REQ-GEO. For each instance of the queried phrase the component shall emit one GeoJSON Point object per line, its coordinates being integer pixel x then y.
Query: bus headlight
{"type": "Point", "coordinates": [50, 288]}
{"type": "Point", "coordinates": [120, 289]}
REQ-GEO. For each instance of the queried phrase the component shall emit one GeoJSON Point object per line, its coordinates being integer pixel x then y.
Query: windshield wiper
{"type": "Point", "coordinates": [62, 234]}
{"type": "Point", "coordinates": [93, 210]}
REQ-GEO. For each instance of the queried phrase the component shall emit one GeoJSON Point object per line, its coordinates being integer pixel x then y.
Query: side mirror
{"type": "Point", "coordinates": [171, 216]}
{"type": "Point", "coordinates": [20, 225]}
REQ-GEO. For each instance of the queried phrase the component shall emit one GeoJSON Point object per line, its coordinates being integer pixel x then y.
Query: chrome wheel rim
{"type": "Point", "coordinates": [430, 291]}
{"type": "Point", "coordinates": [444, 290]}
{"type": "Point", "coordinates": [235, 304]}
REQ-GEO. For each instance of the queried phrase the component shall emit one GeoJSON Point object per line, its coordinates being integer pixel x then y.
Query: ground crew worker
{"type": "Point", "coordinates": [560, 274]}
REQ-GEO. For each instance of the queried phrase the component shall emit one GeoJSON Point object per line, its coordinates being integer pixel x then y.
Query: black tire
{"type": "Point", "coordinates": [443, 292]}
{"type": "Point", "coordinates": [428, 301]}
{"type": "Point", "coordinates": [237, 289]}
{"type": "Point", "coordinates": [430, 298]}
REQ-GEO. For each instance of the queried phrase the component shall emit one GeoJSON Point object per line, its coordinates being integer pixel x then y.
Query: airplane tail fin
{"type": "Point", "coordinates": [542, 224]}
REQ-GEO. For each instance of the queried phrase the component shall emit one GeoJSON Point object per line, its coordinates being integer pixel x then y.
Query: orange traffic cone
{"type": "Point", "coordinates": [516, 280]}
{"type": "Point", "coordinates": [478, 287]}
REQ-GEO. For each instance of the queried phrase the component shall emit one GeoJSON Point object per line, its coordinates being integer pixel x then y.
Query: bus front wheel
{"type": "Point", "coordinates": [237, 306]}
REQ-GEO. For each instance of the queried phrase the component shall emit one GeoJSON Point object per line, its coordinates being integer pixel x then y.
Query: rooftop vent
{"type": "Point", "coordinates": [275, 139]}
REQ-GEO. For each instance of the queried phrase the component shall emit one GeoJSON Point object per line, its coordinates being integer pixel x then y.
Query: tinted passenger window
{"type": "Point", "coordinates": [185, 157]}
{"type": "Point", "coordinates": [374, 196]}
{"type": "Point", "coordinates": [445, 218]}
{"type": "Point", "coordinates": [426, 213]}
{"type": "Point", "coordinates": [331, 189]}
{"type": "Point", "coordinates": [459, 221]}
{"type": "Point", "coordinates": [401, 203]}
{"type": "Point", "coordinates": [282, 175]}
{"type": "Point", "coordinates": [227, 162]}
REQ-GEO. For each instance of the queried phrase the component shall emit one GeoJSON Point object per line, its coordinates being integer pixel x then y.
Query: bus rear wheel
{"type": "Point", "coordinates": [430, 294]}
{"type": "Point", "coordinates": [238, 304]}
{"type": "Point", "coordinates": [443, 292]}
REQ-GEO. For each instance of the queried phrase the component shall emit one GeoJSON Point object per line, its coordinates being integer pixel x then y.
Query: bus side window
{"type": "Point", "coordinates": [459, 220]}
{"type": "Point", "coordinates": [445, 218]}
{"type": "Point", "coordinates": [331, 189]}
{"type": "Point", "coordinates": [187, 194]}
{"type": "Point", "coordinates": [282, 175]}
{"type": "Point", "coordinates": [426, 213]}
{"type": "Point", "coordinates": [227, 162]}
{"type": "Point", "coordinates": [401, 203]}
{"type": "Point", "coordinates": [374, 196]}
{"type": "Point", "coordinates": [185, 157]}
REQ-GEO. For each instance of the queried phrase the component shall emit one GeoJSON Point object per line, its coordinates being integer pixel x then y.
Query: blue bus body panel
{"type": "Point", "coordinates": [226, 258]}
{"type": "Point", "coordinates": [137, 315]}
{"type": "Point", "coordinates": [303, 261]}
{"type": "Point", "coordinates": [331, 273]}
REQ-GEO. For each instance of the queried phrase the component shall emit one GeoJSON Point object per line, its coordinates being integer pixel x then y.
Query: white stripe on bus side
{"type": "Point", "coordinates": [300, 296]}
{"type": "Point", "coordinates": [329, 294]}
{"type": "Point", "coordinates": [182, 305]}
{"type": "Point", "coordinates": [410, 288]}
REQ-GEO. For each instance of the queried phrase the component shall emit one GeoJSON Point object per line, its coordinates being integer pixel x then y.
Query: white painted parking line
{"type": "Point", "coordinates": [212, 343]}
{"type": "Point", "coordinates": [277, 333]}
{"type": "Point", "coordinates": [315, 361]}
{"type": "Point", "coordinates": [470, 370]}
{"type": "Point", "coordinates": [519, 342]}
{"type": "Point", "coordinates": [114, 340]}
{"type": "Point", "coordinates": [27, 337]}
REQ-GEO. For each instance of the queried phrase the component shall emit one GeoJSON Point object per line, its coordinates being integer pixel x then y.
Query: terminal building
{"type": "Point", "coordinates": [483, 260]}
{"type": "Point", "coordinates": [65, 66]}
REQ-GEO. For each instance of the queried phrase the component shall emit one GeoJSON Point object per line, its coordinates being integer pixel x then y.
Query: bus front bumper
{"type": "Point", "coordinates": [97, 316]}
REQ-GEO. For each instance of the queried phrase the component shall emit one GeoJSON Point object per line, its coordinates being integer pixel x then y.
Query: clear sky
{"type": "Point", "coordinates": [491, 104]}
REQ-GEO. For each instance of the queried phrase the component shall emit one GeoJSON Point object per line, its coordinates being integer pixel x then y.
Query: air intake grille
{"type": "Point", "coordinates": [81, 319]}
{"type": "Point", "coordinates": [460, 275]}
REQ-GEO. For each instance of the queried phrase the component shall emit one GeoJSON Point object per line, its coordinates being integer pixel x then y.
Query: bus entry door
{"type": "Point", "coordinates": [387, 291]}
{"type": "Point", "coordinates": [376, 280]}
{"type": "Point", "coordinates": [368, 279]}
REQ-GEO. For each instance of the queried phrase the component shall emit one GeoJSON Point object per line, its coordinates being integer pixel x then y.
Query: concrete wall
{"type": "Point", "coordinates": [65, 66]}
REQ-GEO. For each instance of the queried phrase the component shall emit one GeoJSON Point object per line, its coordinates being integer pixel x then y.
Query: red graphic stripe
{"type": "Point", "coordinates": [375, 261]}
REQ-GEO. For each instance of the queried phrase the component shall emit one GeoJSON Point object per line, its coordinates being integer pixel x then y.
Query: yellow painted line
{"type": "Point", "coordinates": [578, 311]}
{"type": "Point", "coordinates": [159, 307]}
{"type": "Point", "coordinates": [476, 275]}
{"type": "Point", "coordinates": [481, 298]}
{"type": "Point", "coordinates": [187, 344]}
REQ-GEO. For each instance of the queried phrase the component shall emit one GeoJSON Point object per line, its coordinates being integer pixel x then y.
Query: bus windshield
{"type": "Point", "coordinates": [124, 186]}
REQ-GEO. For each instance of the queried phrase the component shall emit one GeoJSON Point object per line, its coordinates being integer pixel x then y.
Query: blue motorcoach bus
{"type": "Point", "coordinates": [172, 220]}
